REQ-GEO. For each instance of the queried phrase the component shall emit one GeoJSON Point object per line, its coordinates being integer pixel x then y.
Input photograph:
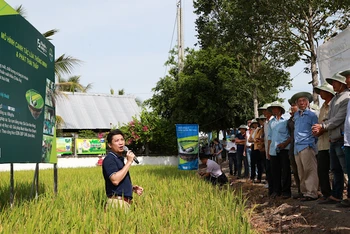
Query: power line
{"type": "Point", "coordinates": [298, 73]}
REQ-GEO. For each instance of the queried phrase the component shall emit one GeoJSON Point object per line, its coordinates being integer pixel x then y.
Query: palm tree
{"type": "Point", "coordinates": [59, 121]}
{"type": "Point", "coordinates": [72, 84]}
{"type": "Point", "coordinates": [50, 33]}
{"type": "Point", "coordinates": [64, 65]}
{"type": "Point", "coordinates": [121, 92]}
{"type": "Point", "coordinates": [139, 102]}
{"type": "Point", "coordinates": [21, 11]}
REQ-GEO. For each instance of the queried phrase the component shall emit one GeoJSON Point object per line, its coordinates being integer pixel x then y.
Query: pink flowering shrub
{"type": "Point", "coordinates": [138, 131]}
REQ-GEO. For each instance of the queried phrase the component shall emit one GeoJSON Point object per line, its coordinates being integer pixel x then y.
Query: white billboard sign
{"type": "Point", "coordinates": [334, 55]}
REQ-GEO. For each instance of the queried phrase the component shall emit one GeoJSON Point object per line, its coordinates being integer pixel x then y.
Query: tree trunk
{"type": "Point", "coordinates": [255, 100]}
{"type": "Point", "coordinates": [314, 75]}
{"type": "Point", "coordinates": [313, 56]}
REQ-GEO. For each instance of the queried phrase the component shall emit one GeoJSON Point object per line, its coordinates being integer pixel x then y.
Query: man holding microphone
{"type": "Point", "coordinates": [118, 184]}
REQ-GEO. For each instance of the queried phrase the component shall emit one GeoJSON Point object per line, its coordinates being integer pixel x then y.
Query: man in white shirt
{"type": "Point", "coordinates": [232, 157]}
{"type": "Point", "coordinates": [213, 172]}
{"type": "Point", "coordinates": [268, 114]}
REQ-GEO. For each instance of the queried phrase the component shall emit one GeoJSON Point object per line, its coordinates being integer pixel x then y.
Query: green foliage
{"type": "Point", "coordinates": [65, 64]}
{"type": "Point", "coordinates": [21, 11]}
{"type": "Point", "coordinates": [252, 35]}
{"type": "Point", "coordinates": [164, 138]}
{"type": "Point", "coordinates": [72, 84]}
{"type": "Point", "coordinates": [238, 66]}
{"type": "Point", "coordinates": [150, 132]}
{"type": "Point", "coordinates": [309, 23]}
{"type": "Point", "coordinates": [275, 33]}
{"type": "Point", "coordinates": [174, 201]}
{"type": "Point", "coordinates": [138, 131]}
{"type": "Point", "coordinates": [208, 90]}
{"type": "Point", "coordinates": [86, 134]}
{"type": "Point", "coordinates": [161, 101]}
{"type": "Point", "coordinates": [121, 92]}
{"type": "Point", "coordinates": [50, 33]}
{"type": "Point", "coordinates": [213, 90]}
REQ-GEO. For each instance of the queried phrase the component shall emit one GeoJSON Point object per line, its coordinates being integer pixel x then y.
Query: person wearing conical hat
{"type": "Point", "coordinates": [323, 161]}
{"type": "Point", "coordinates": [334, 124]}
{"type": "Point", "coordinates": [241, 142]}
{"type": "Point", "coordinates": [267, 113]}
{"type": "Point", "coordinates": [261, 143]}
{"type": "Point", "coordinates": [305, 149]}
{"type": "Point", "coordinates": [278, 146]}
{"type": "Point", "coordinates": [257, 144]}
{"type": "Point", "coordinates": [252, 124]}
{"type": "Point", "coordinates": [231, 148]}
{"type": "Point", "coordinates": [346, 202]}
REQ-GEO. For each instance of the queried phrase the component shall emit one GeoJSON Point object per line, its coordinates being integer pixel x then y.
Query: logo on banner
{"type": "Point", "coordinates": [41, 46]}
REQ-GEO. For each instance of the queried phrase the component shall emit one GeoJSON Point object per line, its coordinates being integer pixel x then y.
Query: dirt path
{"type": "Point", "coordinates": [289, 215]}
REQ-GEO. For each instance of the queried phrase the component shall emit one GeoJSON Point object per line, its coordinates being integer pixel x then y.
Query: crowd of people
{"type": "Point", "coordinates": [308, 145]}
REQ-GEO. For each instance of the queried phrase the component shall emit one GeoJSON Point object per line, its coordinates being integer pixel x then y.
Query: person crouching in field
{"type": "Point", "coordinates": [118, 184]}
{"type": "Point", "coordinates": [213, 172]}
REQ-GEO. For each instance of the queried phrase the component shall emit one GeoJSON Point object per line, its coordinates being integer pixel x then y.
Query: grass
{"type": "Point", "coordinates": [174, 201]}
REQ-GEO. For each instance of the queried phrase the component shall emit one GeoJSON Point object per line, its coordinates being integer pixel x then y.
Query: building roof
{"type": "Point", "coordinates": [95, 111]}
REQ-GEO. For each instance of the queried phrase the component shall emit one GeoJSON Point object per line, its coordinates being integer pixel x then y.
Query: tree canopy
{"type": "Point", "coordinates": [212, 90]}
{"type": "Point", "coordinates": [279, 33]}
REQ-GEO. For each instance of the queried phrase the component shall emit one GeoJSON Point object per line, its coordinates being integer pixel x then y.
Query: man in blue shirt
{"type": "Point", "coordinates": [116, 173]}
{"type": "Point", "coordinates": [278, 146]}
{"type": "Point", "coordinates": [305, 148]}
{"type": "Point", "coordinates": [241, 139]}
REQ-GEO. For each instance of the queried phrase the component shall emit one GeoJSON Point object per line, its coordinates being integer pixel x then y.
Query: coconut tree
{"type": "Point", "coordinates": [64, 64]}
{"type": "Point", "coordinates": [121, 92]}
{"type": "Point", "coordinates": [72, 84]}
{"type": "Point", "coordinates": [50, 33]}
{"type": "Point", "coordinates": [21, 11]}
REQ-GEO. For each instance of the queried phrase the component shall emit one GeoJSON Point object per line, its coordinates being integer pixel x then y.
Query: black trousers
{"type": "Point", "coordinates": [232, 161]}
{"type": "Point", "coordinates": [281, 175]}
{"type": "Point", "coordinates": [269, 176]}
{"type": "Point", "coordinates": [255, 160]}
{"type": "Point", "coordinates": [263, 162]}
{"type": "Point", "coordinates": [241, 158]}
{"type": "Point", "coordinates": [323, 166]}
{"type": "Point", "coordinates": [222, 179]}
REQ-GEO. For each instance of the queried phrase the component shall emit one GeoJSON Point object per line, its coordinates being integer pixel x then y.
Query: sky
{"type": "Point", "coordinates": [123, 43]}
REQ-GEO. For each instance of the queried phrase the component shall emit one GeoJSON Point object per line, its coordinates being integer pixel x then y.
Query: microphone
{"type": "Point", "coordinates": [125, 149]}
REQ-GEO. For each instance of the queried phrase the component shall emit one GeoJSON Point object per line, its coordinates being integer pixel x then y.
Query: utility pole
{"type": "Point", "coordinates": [180, 37]}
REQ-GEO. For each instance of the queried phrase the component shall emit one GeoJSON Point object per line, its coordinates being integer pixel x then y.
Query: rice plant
{"type": "Point", "coordinates": [174, 201]}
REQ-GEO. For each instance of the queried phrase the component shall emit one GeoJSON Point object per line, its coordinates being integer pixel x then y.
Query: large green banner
{"type": "Point", "coordinates": [188, 146]}
{"type": "Point", "coordinates": [64, 145]}
{"type": "Point", "coordinates": [27, 105]}
{"type": "Point", "coordinates": [90, 146]}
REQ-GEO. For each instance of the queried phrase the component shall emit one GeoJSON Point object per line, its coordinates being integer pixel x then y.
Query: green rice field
{"type": "Point", "coordinates": [174, 201]}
